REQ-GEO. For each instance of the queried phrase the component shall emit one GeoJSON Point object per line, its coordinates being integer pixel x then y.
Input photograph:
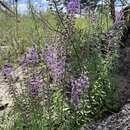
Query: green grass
{"type": "Point", "coordinates": [22, 35]}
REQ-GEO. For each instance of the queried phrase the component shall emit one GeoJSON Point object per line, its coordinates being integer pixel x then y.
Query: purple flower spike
{"type": "Point", "coordinates": [73, 6]}
{"type": "Point", "coordinates": [30, 58]}
{"type": "Point", "coordinates": [34, 85]}
{"type": "Point", "coordinates": [78, 86]}
{"type": "Point", "coordinates": [55, 59]}
{"type": "Point", "coordinates": [7, 70]}
{"type": "Point", "coordinates": [75, 96]}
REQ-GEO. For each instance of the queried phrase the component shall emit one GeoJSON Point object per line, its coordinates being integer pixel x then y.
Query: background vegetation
{"type": "Point", "coordinates": [66, 68]}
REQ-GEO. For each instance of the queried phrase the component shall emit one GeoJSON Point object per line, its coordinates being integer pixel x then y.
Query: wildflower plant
{"type": "Point", "coordinates": [30, 58]}
{"type": "Point", "coordinates": [78, 86]}
{"type": "Point", "coordinates": [34, 85]}
{"type": "Point", "coordinates": [64, 83]}
{"type": "Point", "coordinates": [73, 6]}
{"type": "Point", "coordinates": [55, 58]}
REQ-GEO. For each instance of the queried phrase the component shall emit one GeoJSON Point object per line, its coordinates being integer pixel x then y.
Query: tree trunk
{"type": "Point", "coordinates": [112, 9]}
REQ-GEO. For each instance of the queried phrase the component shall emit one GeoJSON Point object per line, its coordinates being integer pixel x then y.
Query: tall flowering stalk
{"type": "Point", "coordinates": [29, 59]}
{"type": "Point", "coordinates": [34, 84]}
{"type": "Point", "coordinates": [55, 58]}
{"type": "Point", "coordinates": [78, 86]}
{"type": "Point", "coordinates": [73, 6]}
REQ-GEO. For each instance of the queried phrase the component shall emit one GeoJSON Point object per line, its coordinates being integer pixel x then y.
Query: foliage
{"type": "Point", "coordinates": [65, 79]}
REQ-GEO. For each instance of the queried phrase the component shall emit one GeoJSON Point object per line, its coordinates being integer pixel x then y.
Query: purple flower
{"type": "Point", "coordinates": [73, 6]}
{"type": "Point", "coordinates": [78, 86]}
{"type": "Point", "coordinates": [34, 85]}
{"type": "Point", "coordinates": [30, 58]}
{"type": "Point", "coordinates": [55, 59]}
{"type": "Point", "coordinates": [7, 70]}
{"type": "Point", "coordinates": [75, 97]}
